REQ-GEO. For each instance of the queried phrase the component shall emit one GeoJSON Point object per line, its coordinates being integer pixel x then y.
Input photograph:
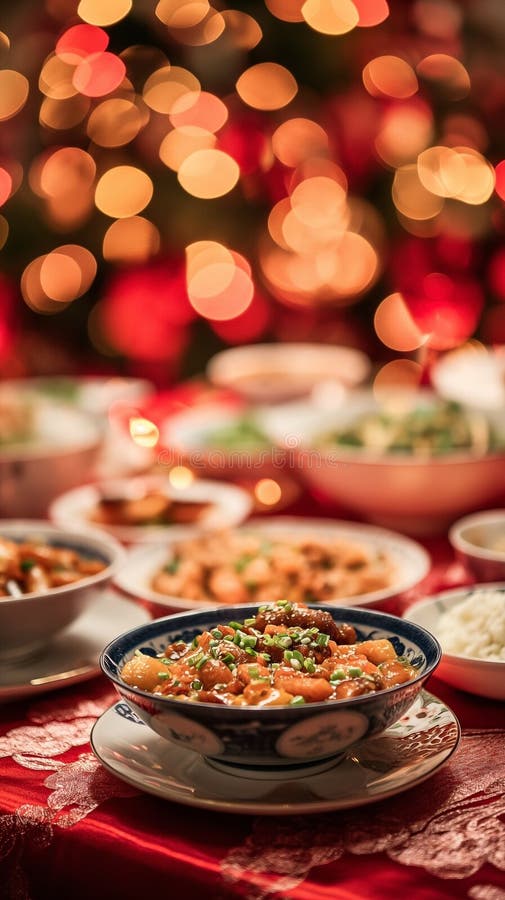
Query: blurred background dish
{"type": "Point", "coordinates": [405, 460]}
{"type": "Point", "coordinates": [39, 596]}
{"type": "Point", "coordinates": [473, 375]}
{"type": "Point", "coordinates": [407, 561]}
{"type": "Point", "coordinates": [95, 394]}
{"type": "Point", "coordinates": [272, 373]}
{"type": "Point", "coordinates": [472, 638]}
{"type": "Point", "coordinates": [46, 447]}
{"type": "Point", "coordinates": [479, 542]}
{"type": "Point", "coordinates": [144, 509]}
{"type": "Point", "coordinates": [114, 402]}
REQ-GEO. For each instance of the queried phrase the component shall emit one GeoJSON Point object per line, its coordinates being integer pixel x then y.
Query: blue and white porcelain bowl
{"type": "Point", "coordinates": [275, 736]}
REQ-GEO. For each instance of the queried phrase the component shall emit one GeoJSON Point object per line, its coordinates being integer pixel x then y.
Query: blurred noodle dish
{"type": "Point", "coordinates": [431, 429]}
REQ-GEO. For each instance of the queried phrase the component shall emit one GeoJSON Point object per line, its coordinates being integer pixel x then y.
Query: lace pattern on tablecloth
{"type": "Point", "coordinates": [453, 829]}
{"type": "Point", "coordinates": [76, 788]}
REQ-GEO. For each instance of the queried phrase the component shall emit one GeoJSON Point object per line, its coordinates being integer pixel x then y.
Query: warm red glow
{"type": "Point", "coordinates": [99, 74]}
{"type": "Point", "coordinates": [80, 41]}
{"type": "Point", "coordinates": [500, 179]}
{"type": "Point", "coordinates": [200, 109]}
{"type": "Point", "coordinates": [5, 186]}
{"type": "Point", "coordinates": [371, 12]}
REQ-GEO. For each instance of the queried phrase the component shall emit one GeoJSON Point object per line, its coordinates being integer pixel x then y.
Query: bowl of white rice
{"type": "Point", "coordinates": [469, 623]}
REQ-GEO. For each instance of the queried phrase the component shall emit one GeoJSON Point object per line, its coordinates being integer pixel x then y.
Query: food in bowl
{"type": "Point", "coordinates": [31, 566]}
{"type": "Point", "coordinates": [275, 735]}
{"type": "Point", "coordinates": [240, 435]}
{"type": "Point", "coordinates": [475, 626]}
{"type": "Point", "coordinates": [34, 610]}
{"type": "Point", "coordinates": [240, 567]}
{"type": "Point", "coordinates": [151, 507]}
{"type": "Point", "coordinates": [16, 418]}
{"type": "Point", "coordinates": [430, 429]}
{"type": "Point", "coordinates": [285, 654]}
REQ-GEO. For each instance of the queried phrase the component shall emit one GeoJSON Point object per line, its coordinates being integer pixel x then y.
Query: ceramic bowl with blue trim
{"type": "Point", "coordinates": [273, 736]}
{"type": "Point", "coordinates": [29, 621]}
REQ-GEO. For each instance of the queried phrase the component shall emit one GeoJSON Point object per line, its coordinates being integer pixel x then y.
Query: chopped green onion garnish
{"type": "Point", "coordinates": [254, 672]}
{"type": "Point", "coordinates": [297, 701]}
{"type": "Point", "coordinates": [196, 685]}
{"type": "Point", "coordinates": [355, 671]}
{"type": "Point", "coordinates": [308, 665]}
{"type": "Point", "coordinates": [337, 675]}
{"type": "Point", "coordinates": [236, 625]}
{"type": "Point", "coordinates": [228, 658]}
{"type": "Point", "coordinates": [218, 635]}
{"type": "Point", "coordinates": [163, 675]}
{"type": "Point", "coordinates": [201, 662]}
{"type": "Point", "coordinates": [322, 639]}
{"type": "Point", "coordinates": [27, 564]}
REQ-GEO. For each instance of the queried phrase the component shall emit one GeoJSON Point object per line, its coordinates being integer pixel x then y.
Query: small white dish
{"type": "Point", "coordinates": [473, 375]}
{"type": "Point", "coordinates": [483, 677]}
{"type": "Point", "coordinates": [72, 656]}
{"type": "Point", "coordinates": [403, 756]}
{"type": "Point", "coordinates": [230, 505]}
{"type": "Point", "coordinates": [411, 561]}
{"type": "Point", "coordinates": [272, 373]}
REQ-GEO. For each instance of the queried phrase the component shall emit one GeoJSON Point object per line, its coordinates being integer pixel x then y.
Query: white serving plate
{"type": "Point", "coordinates": [230, 506]}
{"type": "Point", "coordinates": [411, 561]}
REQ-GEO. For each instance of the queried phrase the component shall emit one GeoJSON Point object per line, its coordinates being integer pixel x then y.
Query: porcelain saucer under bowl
{"type": "Point", "coordinates": [408, 753]}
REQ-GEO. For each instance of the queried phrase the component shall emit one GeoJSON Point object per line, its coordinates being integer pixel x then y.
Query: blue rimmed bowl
{"type": "Point", "coordinates": [280, 736]}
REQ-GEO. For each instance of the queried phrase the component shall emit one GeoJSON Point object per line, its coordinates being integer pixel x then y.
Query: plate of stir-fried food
{"type": "Point", "coordinates": [299, 560]}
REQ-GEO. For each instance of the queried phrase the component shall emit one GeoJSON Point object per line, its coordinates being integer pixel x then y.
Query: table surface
{"type": "Point", "coordinates": [70, 829]}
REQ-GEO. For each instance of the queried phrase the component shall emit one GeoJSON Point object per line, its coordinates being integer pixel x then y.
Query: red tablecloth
{"type": "Point", "coordinates": [68, 829]}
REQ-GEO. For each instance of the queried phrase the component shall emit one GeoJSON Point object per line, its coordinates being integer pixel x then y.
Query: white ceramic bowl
{"type": "Point", "coordinates": [416, 495]}
{"type": "Point", "coordinates": [473, 538]}
{"type": "Point", "coordinates": [60, 454]}
{"type": "Point", "coordinates": [28, 623]}
{"type": "Point", "coordinates": [230, 505]}
{"type": "Point", "coordinates": [271, 373]}
{"type": "Point", "coordinates": [185, 438]}
{"type": "Point", "coordinates": [410, 560]}
{"type": "Point", "coordinates": [468, 673]}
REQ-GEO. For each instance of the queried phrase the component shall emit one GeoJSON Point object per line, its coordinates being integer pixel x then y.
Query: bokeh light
{"type": "Point", "coordinates": [267, 86]}
{"type": "Point", "coordinates": [208, 173]}
{"type": "Point", "coordinates": [123, 191]}
{"type": "Point", "coordinates": [267, 492]}
{"type": "Point", "coordinates": [333, 17]}
{"type": "Point", "coordinates": [390, 76]}
{"type": "Point", "coordinates": [395, 326]}
{"type": "Point", "coordinates": [103, 12]}
{"type": "Point", "coordinates": [14, 90]}
{"type": "Point", "coordinates": [131, 240]}
{"type": "Point", "coordinates": [180, 477]}
{"type": "Point", "coordinates": [144, 432]}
